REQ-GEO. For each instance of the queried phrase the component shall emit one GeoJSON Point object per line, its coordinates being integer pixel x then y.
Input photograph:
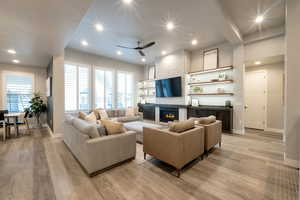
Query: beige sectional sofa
{"type": "Point", "coordinates": [97, 152]}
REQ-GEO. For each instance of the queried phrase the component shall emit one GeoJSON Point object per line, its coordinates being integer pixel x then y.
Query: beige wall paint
{"type": "Point", "coordinates": [274, 93]}
{"type": "Point", "coordinates": [225, 57]}
{"type": "Point", "coordinates": [40, 76]}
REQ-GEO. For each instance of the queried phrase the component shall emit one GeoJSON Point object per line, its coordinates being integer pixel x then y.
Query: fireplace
{"type": "Point", "coordinates": [167, 114]}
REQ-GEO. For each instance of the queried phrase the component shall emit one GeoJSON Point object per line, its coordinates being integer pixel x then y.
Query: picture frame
{"type": "Point", "coordinates": [211, 59]}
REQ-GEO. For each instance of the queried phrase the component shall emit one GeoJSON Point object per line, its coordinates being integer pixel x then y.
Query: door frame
{"type": "Point", "coordinates": [265, 96]}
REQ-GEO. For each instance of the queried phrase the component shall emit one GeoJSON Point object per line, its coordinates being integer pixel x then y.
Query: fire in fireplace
{"type": "Point", "coordinates": [168, 114]}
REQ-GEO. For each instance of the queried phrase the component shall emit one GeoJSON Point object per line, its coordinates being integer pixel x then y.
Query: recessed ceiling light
{"type": "Point", "coordinates": [119, 53]}
{"type": "Point", "coordinates": [143, 59]}
{"type": "Point", "coordinates": [257, 62]}
{"type": "Point", "coordinates": [11, 51]}
{"type": "Point", "coordinates": [99, 27]}
{"type": "Point", "coordinates": [259, 19]}
{"type": "Point", "coordinates": [163, 53]}
{"type": "Point", "coordinates": [84, 43]}
{"type": "Point", "coordinates": [127, 1]}
{"type": "Point", "coordinates": [194, 42]}
{"type": "Point", "coordinates": [170, 26]}
{"type": "Point", "coordinates": [16, 61]}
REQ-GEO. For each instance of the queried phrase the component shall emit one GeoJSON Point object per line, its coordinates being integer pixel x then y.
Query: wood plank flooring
{"type": "Point", "coordinates": [249, 167]}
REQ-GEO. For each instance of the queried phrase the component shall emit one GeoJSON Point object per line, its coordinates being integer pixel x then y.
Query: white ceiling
{"type": "Point", "coordinates": [38, 29]}
{"type": "Point", "coordinates": [244, 12]}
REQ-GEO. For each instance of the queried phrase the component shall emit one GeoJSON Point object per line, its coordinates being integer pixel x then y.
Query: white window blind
{"type": "Point", "coordinates": [77, 87]}
{"type": "Point", "coordinates": [104, 88]}
{"type": "Point", "coordinates": [125, 91]}
{"type": "Point", "coordinates": [18, 91]}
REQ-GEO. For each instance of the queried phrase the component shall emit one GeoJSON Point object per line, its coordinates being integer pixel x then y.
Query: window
{"type": "Point", "coordinates": [77, 87]}
{"type": "Point", "coordinates": [125, 90]}
{"type": "Point", "coordinates": [18, 91]}
{"type": "Point", "coordinates": [103, 88]}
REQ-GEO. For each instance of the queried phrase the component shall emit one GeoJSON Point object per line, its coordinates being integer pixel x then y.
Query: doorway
{"type": "Point", "coordinates": [256, 99]}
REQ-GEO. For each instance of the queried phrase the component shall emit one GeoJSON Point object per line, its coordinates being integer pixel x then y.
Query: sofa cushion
{"type": "Point", "coordinates": [128, 119]}
{"type": "Point", "coordinates": [130, 112]}
{"type": "Point", "coordinates": [112, 127]}
{"type": "Point", "coordinates": [82, 115]}
{"type": "Point", "coordinates": [69, 119]}
{"type": "Point", "coordinates": [182, 126]}
{"type": "Point", "coordinates": [86, 128]}
{"type": "Point", "coordinates": [91, 118]}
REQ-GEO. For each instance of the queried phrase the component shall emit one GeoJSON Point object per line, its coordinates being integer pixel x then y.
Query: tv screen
{"type": "Point", "coordinates": [170, 87]}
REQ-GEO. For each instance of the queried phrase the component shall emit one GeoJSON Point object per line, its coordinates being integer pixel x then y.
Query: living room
{"type": "Point", "coordinates": [133, 99]}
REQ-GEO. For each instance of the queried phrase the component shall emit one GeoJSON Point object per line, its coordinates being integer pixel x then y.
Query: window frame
{"type": "Point", "coordinates": [4, 73]}
{"type": "Point", "coordinates": [133, 86]}
{"type": "Point", "coordinates": [90, 89]}
{"type": "Point", "coordinates": [105, 69]}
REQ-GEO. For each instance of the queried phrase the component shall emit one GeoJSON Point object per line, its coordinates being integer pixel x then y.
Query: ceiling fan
{"type": "Point", "coordinates": [139, 48]}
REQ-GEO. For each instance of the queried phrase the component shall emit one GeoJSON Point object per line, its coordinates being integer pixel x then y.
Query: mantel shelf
{"type": "Point", "coordinates": [211, 82]}
{"type": "Point", "coordinates": [212, 70]}
{"type": "Point", "coordinates": [211, 94]}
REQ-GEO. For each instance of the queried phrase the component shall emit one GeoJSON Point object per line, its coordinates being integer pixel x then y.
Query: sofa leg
{"type": "Point", "coordinates": [178, 171]}
{"type": "Point", "coordinates": [206, 153]}
{"type": "Point", "coordinates": [145, 156]}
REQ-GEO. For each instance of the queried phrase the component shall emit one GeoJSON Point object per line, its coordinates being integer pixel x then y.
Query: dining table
{"type": "Point", "coordinates": [14, 117]}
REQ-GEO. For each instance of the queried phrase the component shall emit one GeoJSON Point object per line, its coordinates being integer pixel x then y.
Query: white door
{"type": "Point", "coordinates": [255, 99]}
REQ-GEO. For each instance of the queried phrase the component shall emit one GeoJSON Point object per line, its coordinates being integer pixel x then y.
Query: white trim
{"type": "Point", "coordinates": [291, 162]}
{"type": "Point", "coordinates": [240, 132]}
{"type": "Point", "coordinates": [275, 130]}
{"type": "Point", "coordinates": [57, 135]}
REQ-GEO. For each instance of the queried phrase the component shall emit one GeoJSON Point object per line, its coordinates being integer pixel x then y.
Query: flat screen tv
{"type": "Point", "coordinates": [170, 87]}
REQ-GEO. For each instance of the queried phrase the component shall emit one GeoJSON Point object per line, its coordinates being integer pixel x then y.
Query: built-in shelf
{"type": "Point", "coordinates": [211, 82]}
{"type": "Point", "coordinates": [212, 70]}
{"type": "Point", "coordinates": [145, 88]}
{"type": "Point", "coordinates": [147, 95]}
{"type": "Point", "coordinates": [211, 94]}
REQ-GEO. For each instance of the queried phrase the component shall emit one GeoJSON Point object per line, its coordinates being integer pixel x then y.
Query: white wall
{"type": "Point", "coordinates": [175, 64]}
{"type": "Point", "coordinates": [274, 94]}
{"type": "Point", "coordinates": [76, 56]}
{"type": "Point", "coordinates": [225, 57]}
{"type": "Point", "coordinates": [265, 48]}
{"type": "Point", "coordinates": [292, 94]}
{"type": "Point", "coordinates": [40, 76]}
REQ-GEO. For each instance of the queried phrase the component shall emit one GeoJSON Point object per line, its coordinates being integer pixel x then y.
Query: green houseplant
{"type": "Point", "coordinates": [37, 107]}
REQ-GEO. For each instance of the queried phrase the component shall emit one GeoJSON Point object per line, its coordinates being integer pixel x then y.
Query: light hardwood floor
{"type": "Point", "coordinates": [39, 167]}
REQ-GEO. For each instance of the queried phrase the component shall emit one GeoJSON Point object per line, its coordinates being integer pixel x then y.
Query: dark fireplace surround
{"type": "Point", "coordinates": [168, 113]}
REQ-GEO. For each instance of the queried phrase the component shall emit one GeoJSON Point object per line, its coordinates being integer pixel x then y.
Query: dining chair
{"type": "Point", "coordinates": [2, 121]}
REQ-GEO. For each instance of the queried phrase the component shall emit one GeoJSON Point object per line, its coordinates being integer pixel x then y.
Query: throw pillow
{"type": "Point", "coordinates": [96, 111]}
{"type": "Point", "coordinates": [180, 127]}
{"type": "Point", "coordinates": [82, 115]}
{"type": "Point", "coordinates": [91, 118]}
{"type": "Point", "coordinates": [206, 120]}
{"type": "Point", "coordinates": [130, 112]}
{"type": "Point", "coordinates": [86, 128]}
{"type": "Point", "coordinates": [103, 114]}
{"type": "Point", "coordinates": [112, 127]}
{"type": "Point", "coordinates": [101, 129]}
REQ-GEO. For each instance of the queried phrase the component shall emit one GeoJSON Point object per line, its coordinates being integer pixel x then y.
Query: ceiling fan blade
{"type": "Point", "coordinates": [124, 47]}
{"type": "Point", "coordinates": [141, 53]}
{"type": "Point", "coordinates": [148, 45]}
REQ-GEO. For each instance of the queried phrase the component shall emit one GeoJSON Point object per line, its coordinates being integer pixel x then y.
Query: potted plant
{"type": "Point", "coordinates": [37, 107]}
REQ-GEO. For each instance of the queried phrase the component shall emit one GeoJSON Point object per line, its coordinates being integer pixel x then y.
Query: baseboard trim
{"type": "Point", "coordinates": [291, 162]}
{"type": "Point", "coordinates": [240, 132]}
{"type": "Point", "coordinates": [275, 130]}
{"type": "Point", "coordinates": [56, 135]}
